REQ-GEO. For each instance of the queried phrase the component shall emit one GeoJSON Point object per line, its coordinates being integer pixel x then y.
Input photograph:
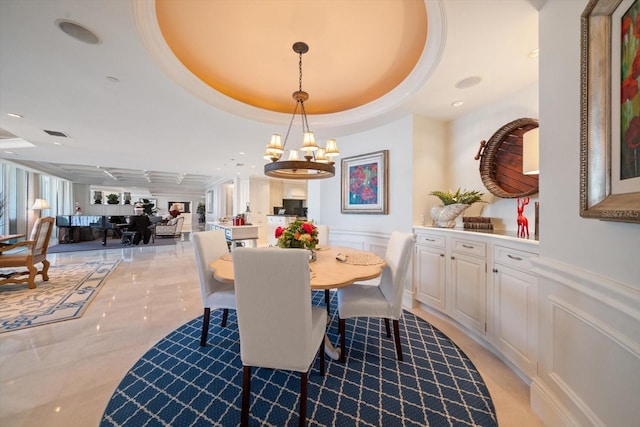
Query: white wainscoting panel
{"type": "Point", "coordinates": [588, 347]}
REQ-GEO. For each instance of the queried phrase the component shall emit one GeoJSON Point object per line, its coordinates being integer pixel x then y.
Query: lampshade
{"type": "Point", "coordinates": [530, 152]}
{"type": "Point", "coordinates": [40, 204]}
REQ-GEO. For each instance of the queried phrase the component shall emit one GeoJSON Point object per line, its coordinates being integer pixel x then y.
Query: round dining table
{"type": "Point", "coordinates": [334, 267]}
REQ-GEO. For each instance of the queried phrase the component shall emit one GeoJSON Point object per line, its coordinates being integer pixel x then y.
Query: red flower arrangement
{"type": "Point", "coordinates": [298, 234]}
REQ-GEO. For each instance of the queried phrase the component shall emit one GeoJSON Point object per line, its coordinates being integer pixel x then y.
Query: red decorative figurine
{"type": "Point", "coordinates": [523, 222]}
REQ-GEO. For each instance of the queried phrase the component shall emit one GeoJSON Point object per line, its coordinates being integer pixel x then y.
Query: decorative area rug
{"type": "Point", "coordinates": [96, 245]}
{"type": "Point", "coordinates": [179, 383]}
{"type": "Point", "coordinates": [66, 295]}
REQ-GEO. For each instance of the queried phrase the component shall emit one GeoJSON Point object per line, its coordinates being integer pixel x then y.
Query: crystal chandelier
{"type": "Point", "coordinates": [318, 162]}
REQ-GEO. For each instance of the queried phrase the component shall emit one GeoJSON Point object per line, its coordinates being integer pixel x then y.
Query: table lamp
{"type": "Point", "coordinates": [40, 204]}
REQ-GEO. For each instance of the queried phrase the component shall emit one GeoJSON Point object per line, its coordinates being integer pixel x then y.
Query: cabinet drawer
{"type": "Point", "coordinates": [430, 240]}
{"type": "Point", "coordinates": [469, 247]}
{"type": "Point", "coordinates": [513, 257]}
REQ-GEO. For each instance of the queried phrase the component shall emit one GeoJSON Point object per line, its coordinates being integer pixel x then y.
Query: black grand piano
{"type": "Point", "coordinates": [72, 225]}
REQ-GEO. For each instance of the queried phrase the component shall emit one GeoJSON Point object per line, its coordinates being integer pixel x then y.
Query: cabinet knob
{"type": "Point", "coordinates": [442, 255]}
{"type": "Point", "coordinates": [453, 257]}
{"type": "Point", "coordinates": [495, 270]}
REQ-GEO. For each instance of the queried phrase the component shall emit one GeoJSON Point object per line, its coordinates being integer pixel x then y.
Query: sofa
{"type": "Point", "coordinates": [172, 228]}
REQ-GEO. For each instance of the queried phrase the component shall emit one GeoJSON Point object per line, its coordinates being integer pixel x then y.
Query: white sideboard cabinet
{"type": "Point", "coordinates": [429, 270]}
{"type": "Point", "coordinates": [515, 294]}
{"type": "Point", "coordinates": [482, 282]}
{"type": "Point", "coordinates": [469, 283]}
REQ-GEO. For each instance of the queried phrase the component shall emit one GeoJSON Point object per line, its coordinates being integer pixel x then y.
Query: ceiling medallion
{"type": "Point", "coordinates": [318, 163]}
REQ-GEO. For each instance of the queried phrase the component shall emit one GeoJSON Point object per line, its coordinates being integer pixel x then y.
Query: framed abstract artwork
{"type": "Point", "coordinates": [365, 183]}
{"type": "Point", "coordinates": [183, 207]}
{"type": "Point", "coordinates": [610, 111]}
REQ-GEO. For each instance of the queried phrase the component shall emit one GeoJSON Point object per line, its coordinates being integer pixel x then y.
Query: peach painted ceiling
{"type": "Point", "coordinates": [358, 51]}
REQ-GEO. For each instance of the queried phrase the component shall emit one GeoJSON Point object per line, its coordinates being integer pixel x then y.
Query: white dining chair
{"type": "Point", "coordinates": [323, 235]}
{"type": "Point", "coordinates": [279, 328]}
{"type": "Point", "coordinates": [384, 300]}
{"type": "Point", "coordinates": [208, 246]}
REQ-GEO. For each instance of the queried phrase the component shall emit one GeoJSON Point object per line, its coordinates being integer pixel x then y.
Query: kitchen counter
{"type": "Point", "coordinates": [235, 233]}
{"type": "Point", "coordinates": [510, 235]}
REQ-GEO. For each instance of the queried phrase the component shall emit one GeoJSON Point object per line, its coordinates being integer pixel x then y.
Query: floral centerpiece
{"type": "Point", "coordinates": [298, 234]}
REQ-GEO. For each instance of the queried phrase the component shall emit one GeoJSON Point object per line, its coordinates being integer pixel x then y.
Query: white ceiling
{"type": "Point", "coordinates": [159, 119]}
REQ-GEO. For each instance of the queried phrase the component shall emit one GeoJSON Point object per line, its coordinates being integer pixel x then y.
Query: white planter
{"type": "Point", "coordinates": [445, 216]}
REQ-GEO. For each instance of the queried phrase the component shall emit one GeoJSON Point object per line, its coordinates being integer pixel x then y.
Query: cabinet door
{"type": "Point", "coordinates": [259, 198]}
{"type": "Point", "coordinates": [429, 276]}
{"type": "Point", "coordinates": [515, 316]}
{"type": "Point", "coordinates": [468, 290]}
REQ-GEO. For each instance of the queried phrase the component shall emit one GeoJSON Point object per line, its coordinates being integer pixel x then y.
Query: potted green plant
{"type": "Point", "coordinates": [200, 210]}
{"type": "Point", "coordinates": [453, 204]}
{"type": "Point", "coordinates": [148, 207]}
{"type": "Point", "coordinates": [112, 199]}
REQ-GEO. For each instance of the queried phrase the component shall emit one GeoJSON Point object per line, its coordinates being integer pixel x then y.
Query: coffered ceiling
{"type": "Point", "coordinates": [190, 91]}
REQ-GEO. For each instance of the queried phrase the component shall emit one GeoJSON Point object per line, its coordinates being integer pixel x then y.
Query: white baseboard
{"type": "Point", "coordinates": [545, 404]}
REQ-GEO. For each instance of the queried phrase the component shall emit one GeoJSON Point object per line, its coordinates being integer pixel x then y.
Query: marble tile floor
{"type": "Point", "coordinates": [63, 374]}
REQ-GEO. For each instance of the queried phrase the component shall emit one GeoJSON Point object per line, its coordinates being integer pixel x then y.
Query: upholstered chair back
{"type": "Point", "coordinates": [397, 256]}
{"type": "Point", "coordinates": [208, 246]}
{"type": "Point", "coordinates": [273, 299]}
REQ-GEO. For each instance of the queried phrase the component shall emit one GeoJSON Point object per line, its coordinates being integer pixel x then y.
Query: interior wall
{"type": "Point", "coordinates": [588, 370]}
{"type": "Point", "coordinates": [465, 135]}
{"type": "Point", "coordinates": [606, 248]}
{"type": "Point", "coordinates": [324, 199]}
{"type": "Point", "coordinates": [430, 153]}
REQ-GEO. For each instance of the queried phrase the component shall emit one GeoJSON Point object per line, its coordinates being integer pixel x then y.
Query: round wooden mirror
{"type": "Point", "coordinates": [501, 161]}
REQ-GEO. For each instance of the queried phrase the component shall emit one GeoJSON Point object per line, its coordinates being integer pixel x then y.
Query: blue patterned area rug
{"type": "Point", "coordinates": [66, 295]}
{"type": "Point", "coordinates": [179, 383]}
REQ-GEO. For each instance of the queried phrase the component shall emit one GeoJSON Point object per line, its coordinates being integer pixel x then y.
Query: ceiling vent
{"type": "Point", "coordinates": [56, 133]}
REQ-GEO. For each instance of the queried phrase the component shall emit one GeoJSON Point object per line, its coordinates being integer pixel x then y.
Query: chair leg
{"type": "Point", "coordinates": [33, 271]}
{"type": "Point", "coordinates": [386, 325]}
{"type": "Point", "coordinates": [45, 270]}
{"type": "Point", "coordinates": [396, 332]}
{"type": "Point", "coordinates": [322, 358]}
{"type": "Point", "coordinates": [303, 399]}
{"type": "Point", "coordinates": [343, 345]}
{"type": "Point", "coordinates": [246, 395]}
{"type": "Point", "coordinates": [205, 326]}
{"type": "Point", "coordinates": [225, 314]}
{"type": "Point", "coordinates": [327, 301]}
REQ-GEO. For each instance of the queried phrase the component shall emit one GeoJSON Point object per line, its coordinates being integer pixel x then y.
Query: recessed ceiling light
{"type": "Point", "coordinates": [77, 31]}
{"type": "Point", "coordinates": [8, 152]}
{"type": "Point", "coordinates": [241, 153]}
{"type": "Point", "coordinates": [57, 143]}
{"type": "Point", "coordinates": [468, 82]}
{"type": "Point", "coordinates": [457, 104]}
{"type": "Point", "coordinates": [534, 53]}
{"type": "Point", "coordinates": [15, 115]}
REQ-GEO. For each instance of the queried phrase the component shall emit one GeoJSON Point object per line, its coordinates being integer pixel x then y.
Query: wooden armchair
{"type": "Point", "coordinates": [36, 252]}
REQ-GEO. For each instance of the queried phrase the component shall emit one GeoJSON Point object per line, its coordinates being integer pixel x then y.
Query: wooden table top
{"type": "Point", "coordinates": [327, 272]}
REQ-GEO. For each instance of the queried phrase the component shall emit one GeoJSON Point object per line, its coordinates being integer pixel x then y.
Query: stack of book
{"type": "Point", "coordinates": [477, 223]}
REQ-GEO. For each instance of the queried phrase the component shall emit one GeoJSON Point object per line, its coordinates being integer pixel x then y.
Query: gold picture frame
{"type": "Point", "coordinates": [598, 47]}
{"type": "Point", "coordinates": [365, 184]}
